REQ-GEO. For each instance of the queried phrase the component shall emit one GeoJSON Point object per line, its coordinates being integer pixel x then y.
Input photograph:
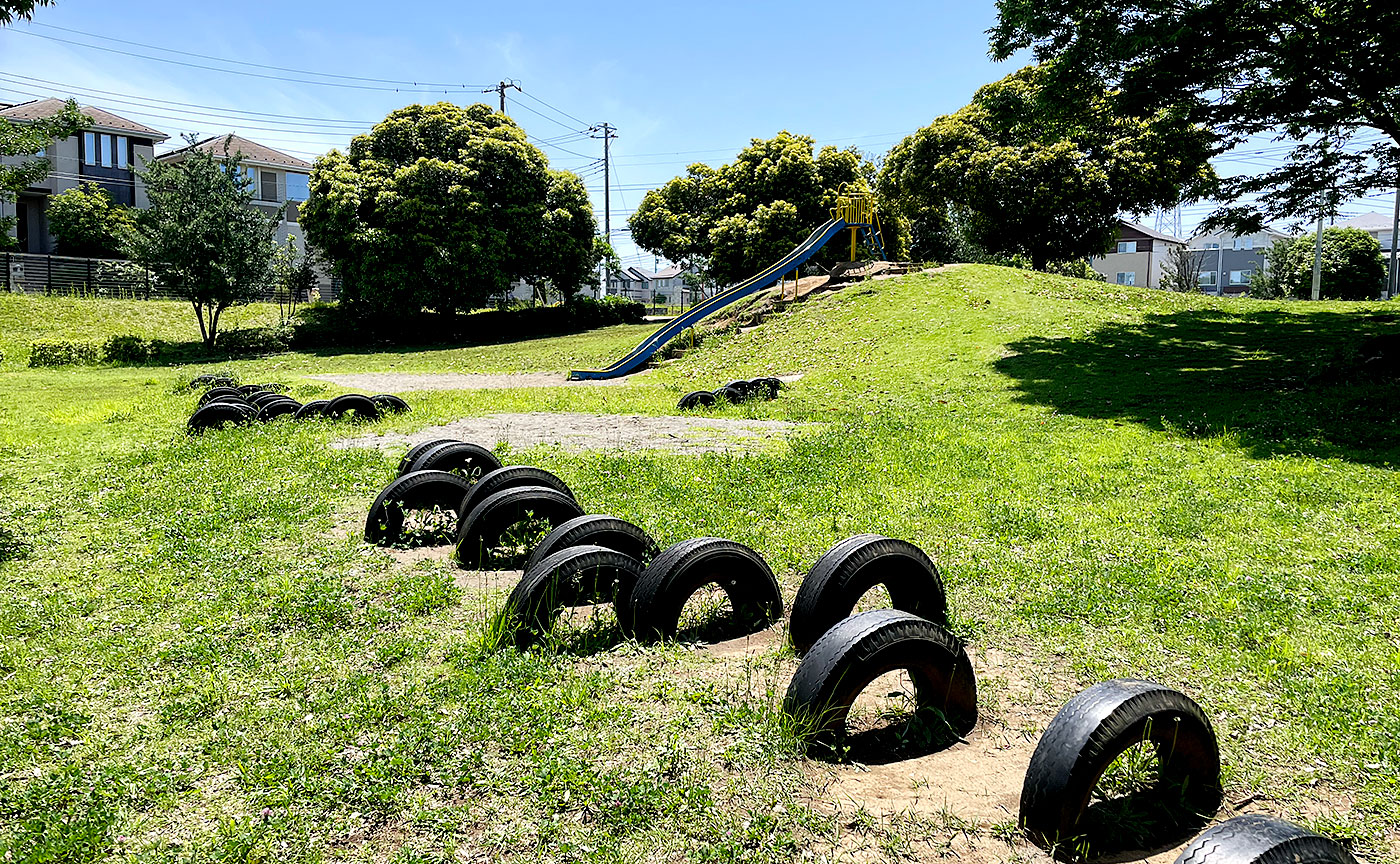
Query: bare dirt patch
{"type": "Point", "coordinates": [409, 382]}
{"type": "Point", "coordinates": [579, 432]}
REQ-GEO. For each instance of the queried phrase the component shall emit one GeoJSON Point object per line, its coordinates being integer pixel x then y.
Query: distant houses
{"type": "Point", "coordinates": [1138, 257]}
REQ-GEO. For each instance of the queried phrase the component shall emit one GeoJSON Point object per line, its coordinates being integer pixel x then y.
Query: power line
{"type": "Point", "coordinates": [413, 86]}
{"type": "Point", "coordinates": [556, 110]}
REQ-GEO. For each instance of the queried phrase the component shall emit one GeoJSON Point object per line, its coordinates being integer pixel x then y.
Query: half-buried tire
{"type": "Point", "coordinates": [274, 408]}
{"type": "Point", "coordinates": [596, 529]}
{"type": "Point", "coordinates": [311, 410]}
{"type": "Point", "coordinates": [696, 399]}
{"type": "Point", "coordinates": [510, 477]}
{"type": "Point", "coordinates": [417, 450]}
{"type": "Point", "coordinates": [472, 461]}
{"type": "Point", "coordinates": [1097, 726]}
{"type": "Point", "coordinates": [481, 529]}
{"type": "Point", "coordinates": [422, 491]}
{"type": "Point", "coordinates": [217, 414]}
{"type": "Point", "coordinates": [1255, 839]}
{"type": "Point", "coordinates": [576, 576]}
{"type": "Point", "coordinates": [220, 394]}
{"type": "Point", "coordinates": [836, 582]}
{"type": "Point", "coordinates": [863, 647]}
{"type": "Point", "coordinates": [654, 610]}
{"type": "Point", "coordinates": [352, 403]}
{"type": "Point", "coordinates": [390, 404]}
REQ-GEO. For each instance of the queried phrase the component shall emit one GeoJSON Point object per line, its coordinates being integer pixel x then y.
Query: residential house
{"type": "Point", "coordinates": [1138, 256]}
{"type": "Point", "coordinates": [630, 283]}
{"type": "Point", "coordinates": [1378, 225]}
{"type": "Point", "coordinates": [107, 153]}
{"type": "Point", "coordinates": [1229, 262]}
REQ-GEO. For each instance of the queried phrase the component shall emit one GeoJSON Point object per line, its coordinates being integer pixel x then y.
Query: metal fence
{"type": "Point", "coordinates": [102, 278]}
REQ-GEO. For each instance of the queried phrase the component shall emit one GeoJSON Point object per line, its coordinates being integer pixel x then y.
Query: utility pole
{"type": "Point", "coordinates": [501, 88]}
{"type": "Point", "coordinates": [608, 133]}
{"type": "Point", "coordinates": [1317, 262]}
{"type": "Point", "coordinates": [1392, 285]}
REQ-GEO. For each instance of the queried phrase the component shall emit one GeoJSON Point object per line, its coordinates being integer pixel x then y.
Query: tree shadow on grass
{"type": "Point", "coordinates": [1323, 384]}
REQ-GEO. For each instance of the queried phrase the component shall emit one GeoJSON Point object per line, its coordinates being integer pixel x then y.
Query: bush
{"type": "Point", "coordinates": [256, 340]}
{"type": "Point", "coordinates": [1352, 267]}
{"type": "Point", "coordinates": [127, 349]}
{"type": "Point", "coordinates": [55, 352]}
{"type": "Point", "coordinates": [325, 325]}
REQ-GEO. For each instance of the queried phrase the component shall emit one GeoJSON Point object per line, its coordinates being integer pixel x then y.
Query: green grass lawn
{"type": "Point", "coordinates": [200, 661]}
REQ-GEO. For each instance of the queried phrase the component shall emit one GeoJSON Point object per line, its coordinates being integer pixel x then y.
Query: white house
{"type": "Point", "coordinates": [1138, 256]}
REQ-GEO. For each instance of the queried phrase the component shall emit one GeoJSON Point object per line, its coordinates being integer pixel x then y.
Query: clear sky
{"type": "Point", "coordinates": [680, 82]}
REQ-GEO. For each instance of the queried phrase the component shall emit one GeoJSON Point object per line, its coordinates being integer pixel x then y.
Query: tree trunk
{"type": "Point", "coordinates": [1038, 261]}
{"type": "Point", "coordinates": [214, 324]}
{"type": "Point", "coordinates": [199, 316]}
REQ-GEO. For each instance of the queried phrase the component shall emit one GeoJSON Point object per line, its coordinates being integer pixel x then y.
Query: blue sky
{"type": "Point", "coordinates": [681, 83]}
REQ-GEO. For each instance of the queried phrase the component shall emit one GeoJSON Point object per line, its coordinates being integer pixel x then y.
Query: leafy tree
{"type": "Point", "coordinates": [1182, 269]}
{"type": "Point", "coordinates": [24, 140]}
{"type": "Point", "coordinates": [201, 237]}
{"type": "Point", "coordinates": [733, 221]}
{"type": "Point", "coordinates": [1019, 173]}
{"type": "Point", "coordinates": [443, 207]}
{"type": "Point", "coordinates": [87, 222]}
{"type": "Point", "coordinates": [22, 9]}
{"type": "Point", "coordinates": [293, 276]}
{"type": "Point", "coordinates": [1352, 267]}
{"type": "Point", "coordinates": [1295, 70]}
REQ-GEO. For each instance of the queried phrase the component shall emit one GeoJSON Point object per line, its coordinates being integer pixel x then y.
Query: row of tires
{"type": "Point", "coordinates": [591, 559]}
{"type": "Point", "coordinates": [226, 405]}
{"type": "Point", "coordinates": [734, 392]}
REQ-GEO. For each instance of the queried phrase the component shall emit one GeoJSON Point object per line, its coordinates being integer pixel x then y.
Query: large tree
{"type": "Point", "coordinates": [26, 139]}
{"type": "Point", "coordinates": [735, 220]}
{"type": "Point", "coordinates": [201, 235]}
{"type": "Point", "coordinates": [1315, 73]}
{"type": "Point", "coordinates": [1024, 173]}
{"type": "Point", "coordinates": [442, 207]}
{"type": "Point", "coordinates": [1352, 268]}
{"type": "Point", "coordinates": [22, 9]}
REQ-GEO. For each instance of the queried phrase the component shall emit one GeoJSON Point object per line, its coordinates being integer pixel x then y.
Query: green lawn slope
{"type": "Point", "coordinates": [200, 661]}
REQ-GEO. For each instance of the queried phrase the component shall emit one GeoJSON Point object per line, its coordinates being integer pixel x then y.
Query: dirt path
{"type": "Point", "coordinates": [579, 432]}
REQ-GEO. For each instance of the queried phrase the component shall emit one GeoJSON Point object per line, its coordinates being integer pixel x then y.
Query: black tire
{"type": "Point", "coordinates": [217, 414]}
{"type": "Point", "coordinates": [654, 609]}
{"type": "Point", "coordinates": [220, 394]}
{"type": "Point", "coordinates": [1255, 839]}
{"type": "Point", "coordinates": [421, 491]}
{"type": "Point", "coordinates": [250, 389]}
{"type": "Point", "coordinates": [576, 576]}
{"type": "Point", "coordinates": [766, 388]}
{"type": "Point", "coordinates": [731, 394]}
{"type": "Point", "coordinates": [481, 528]}
{"type": "Point", "coordinates": [472, 461]}
{"type": "Point", "coordinates": [418, 450]}
{"type": "Point", "coordinates": [696, 399]}
{"type": "Point", "coordinates": [740, 386]}
{"type": "Point", "coordinates": [508, 477]}
{"type": "Point", "coordinates": [863, 647]}
{"type": "Point", "coordinates": [205, 380]}
{"type": "Point", "coordinates": [262, 396]}
{"type": "Point", "coordinates": [390, 404]}
{"type": "Point", "coordinates": [836, 582]}
{"type": "Point", "coordinates": [362, 406]}
{"type": "Point", "coordinates": [609, 532]}
{"type": "Point", "coordinates": [1092, 730]}
{"type": "Point", "coordinates": [311, 410]}
{"type": "Point", "coordinates": [274, 408]}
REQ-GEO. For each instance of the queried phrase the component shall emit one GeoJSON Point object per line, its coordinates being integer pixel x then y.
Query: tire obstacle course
{"type": "Point", "coordinates": [225, 403]}
{"type": "Point", "coordinates": [733, 393]}
{"type": "Point", "coordinates": [595, 559]}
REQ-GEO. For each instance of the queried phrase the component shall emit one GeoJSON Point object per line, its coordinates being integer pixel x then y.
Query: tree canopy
{"type": "Point", "coordinates": [25, 140]}
{"type": "Point", "coordinates": [22, 9]}
{"type": "Point", "coordinates": [735, 220]}
{"type": "Point", "coordinates": [201, 236]}
{"type": "Point", "coordinates": [1316, 73]}
{"type": "Point", "coordinates": [442, 207]}
{"type": "Point", "coordinates": [88, 223]}
{"type": "Point", "coordinates": [1023, 173]}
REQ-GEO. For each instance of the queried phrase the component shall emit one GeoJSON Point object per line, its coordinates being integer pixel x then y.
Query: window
{"type": "Point", "coordinates": [1127, 247]}
{"type": "Point", "coordinates": [1208, 278]}
{"type": "Point", "coordinates": [1241, 277]}
{"type": "Point", "coordinates": [298, 186]}
{"type": "Point", "coordinates": [123, 150]}
{"type": "Point", "coordinates": [89, 148]}
{"type": "Point", "coordinates": [1127, 278]}
{"type": "Point", "coordinates": [269, 186]}
{"type": "Point", "coordinates": [1210, 246]}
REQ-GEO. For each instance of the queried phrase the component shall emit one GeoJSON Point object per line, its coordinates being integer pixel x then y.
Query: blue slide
{"type": "Point", "coordinates": [794, 259]}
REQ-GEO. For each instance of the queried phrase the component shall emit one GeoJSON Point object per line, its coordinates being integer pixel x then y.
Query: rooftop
{"type": "Point", "coordinates": [252, 151]}
{"type": "Point", "coordinates": [102, 120]}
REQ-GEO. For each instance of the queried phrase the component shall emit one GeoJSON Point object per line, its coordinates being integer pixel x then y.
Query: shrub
{"type": "Point", "coordinates": [55, 352]}
{"type": "Point", "coordinates": [127, 349]}
{"type": "Point", "coordinates": [256, 340]}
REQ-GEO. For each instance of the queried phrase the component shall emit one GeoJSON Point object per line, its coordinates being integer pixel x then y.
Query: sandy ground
{"type": "Point", "coordinates": [579, 432]}
{"type": "Point", "coordinates": [408, 382]}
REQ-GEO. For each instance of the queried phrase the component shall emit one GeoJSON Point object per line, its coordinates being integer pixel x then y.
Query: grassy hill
{"type": "Point", "coordinates": [201, 660]}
